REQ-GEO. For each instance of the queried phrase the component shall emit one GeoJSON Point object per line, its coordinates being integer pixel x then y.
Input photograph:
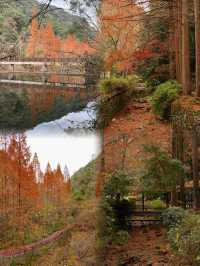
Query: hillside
{"type": "Point", "coordinates": [14, 18]}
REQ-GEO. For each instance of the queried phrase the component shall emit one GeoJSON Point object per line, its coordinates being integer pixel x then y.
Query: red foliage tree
{"type": "Point", "coordinates": [118, 35]}
{"type": "Point", "coordinates": [44, 43]}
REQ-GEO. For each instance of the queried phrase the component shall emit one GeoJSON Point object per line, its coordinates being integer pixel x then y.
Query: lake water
{"type": "Point", "coordinates": [66, 140]}
{"type": "Point", "coordinates": [53, 130]}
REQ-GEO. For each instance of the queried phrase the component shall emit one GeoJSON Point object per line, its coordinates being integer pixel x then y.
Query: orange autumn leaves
{"type": "Point", "coordinates": [43, 43]}
{"type": "Point", "coordinates": [23, 185]}
{"type": "Point", "coordinates": [118, 36]}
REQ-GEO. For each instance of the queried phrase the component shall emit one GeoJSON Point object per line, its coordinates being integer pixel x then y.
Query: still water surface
{"type": "Point", "coordinates": [55, 143]}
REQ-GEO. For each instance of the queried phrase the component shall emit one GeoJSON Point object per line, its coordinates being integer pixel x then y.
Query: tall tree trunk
{"type": "Point", "coordinates": [172, 36]}
{"type": "Point", "coordinates": [197, 44]}
{"type": "Point", "coordinates": [174, 153]}
{"type": "Point", "coordinates": [196, 194]}
{"type": "Point", "coordinates": [178, 39]}
{"type": "Point", "coordinates": [180, 156]}
{"type": "Point", "coordinates": [185, 48]}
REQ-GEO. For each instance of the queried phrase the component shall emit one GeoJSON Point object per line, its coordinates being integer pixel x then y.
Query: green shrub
{"type": "Point", "coordinates": [162, 98]}
{"type": "Point", "coordinates": [115, 84]}
{"type": "Point", "coordinates": [173, 216]}
{"type": "Point", "coordinates": [115, 210]}
{"type": "Point", "coordinates": [161, 171]}
{"type": "Point", "coordinates": [77, 195]}
{"type": "Point", "coordinates": [185, 239]}
{"type": "Point", "coordinates": [106, 230]}
{"type": "Point", "coordinates": [115, 92]}
{"type": "Point", "coordinates": [121, 237]}
{"type": "Point", "coordinates": [157, 204]}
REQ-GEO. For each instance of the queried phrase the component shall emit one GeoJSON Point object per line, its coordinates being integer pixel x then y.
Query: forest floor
{"type": "Point", "coordinates": [147, 246]}
{"type": "Point", "coordinates": [141, 128]}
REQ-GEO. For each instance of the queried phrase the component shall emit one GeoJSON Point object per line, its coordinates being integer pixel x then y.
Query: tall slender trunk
{"type": "Point", "coordinates": [197, 44]}
{"type": "Point", "coordinates": [180, 156]}
{"type": "Point", "coordinates": [174, 153]}
{"type": "Point", "coordinates": [178, 39]}
{"type": "Point", "coordinates": [196, 194]}
{"type": "Point", "coordinates": [172, 36]}
{"type": "Point", "coordinates": [185, 48]}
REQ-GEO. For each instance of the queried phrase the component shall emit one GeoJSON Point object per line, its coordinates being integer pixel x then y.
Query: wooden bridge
{"type": "Point", "coordinates": [146, 217]}
{"type": "Point", "coordinates": [77, 72]}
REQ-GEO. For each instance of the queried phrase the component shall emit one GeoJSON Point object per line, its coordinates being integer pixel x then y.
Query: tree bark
{"type": "Point", "coordinates": [197, 44]}
{"type": "Point", "coordinates": [185, 48]}
{"type": "Point", "coordinates": [180, 156]}
{"type": "Point", "coordinates": [178, 39]}
{"type": "Point", "coordinates": [196, 194]}
{"type": "Point", "coordinates": [172, 38]}
{"type": "Point", "coordinates": [174, 154]}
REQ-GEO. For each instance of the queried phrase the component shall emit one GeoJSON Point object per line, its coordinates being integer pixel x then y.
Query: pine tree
{"type": "Point", "coordinates": [37, 170]}
{"type": "Point", "coordinates": [66, 173]}
{"type": "Point", "coordinates": [20, 156]}
{"type": "Point", "coordinates": [49, 183]}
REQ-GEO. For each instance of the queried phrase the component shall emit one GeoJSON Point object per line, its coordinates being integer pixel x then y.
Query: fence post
{"type": "Point", "coordinates": [142, 201]}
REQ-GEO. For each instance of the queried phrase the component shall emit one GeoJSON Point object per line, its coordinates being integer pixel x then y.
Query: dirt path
{"type": "Point", "coordinates": [141, 127]}
{"type": "Point", "coordinates": [147, 246]}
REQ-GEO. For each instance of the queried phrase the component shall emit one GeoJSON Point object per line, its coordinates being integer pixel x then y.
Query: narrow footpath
{"type": "Point", "coordinates": [147, 246]}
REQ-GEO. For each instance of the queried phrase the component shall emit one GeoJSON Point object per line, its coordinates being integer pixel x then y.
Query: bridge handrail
{"type": "Point", "coordinates": [147, 213]}
{"type": "Point", "coordinates": [39, 59]}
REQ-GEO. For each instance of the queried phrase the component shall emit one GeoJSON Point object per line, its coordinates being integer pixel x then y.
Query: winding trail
{"type": "Point", "coordinates": [147, 246]}
{"type": "Point", "coordinates": [20, 251]}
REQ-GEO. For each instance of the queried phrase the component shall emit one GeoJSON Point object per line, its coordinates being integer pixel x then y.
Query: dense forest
{"type": "Point", "coordinates": [137, 202]}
